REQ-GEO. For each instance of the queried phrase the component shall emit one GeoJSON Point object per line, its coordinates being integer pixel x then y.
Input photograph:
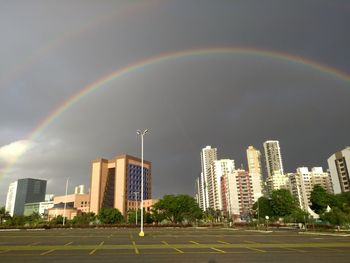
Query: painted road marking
{"type": "Point", "coordinates": [33, 244]}
{"type": "Point", "coordinates": [219, 250]}
{"type": "Point", "coordinates": [223, 242]}
{"type": "Point", "coordinates": [68, 243]}
{"type": "Point", "coordinates": [135, 248]}
{"type": "Point", "coordinates": [255, 249]}
{"type": "Point", "coordinates": [250, 242]}
{"type": "Point", "coordinates": [178, 250]}
{"type": "Point", "coordinates": [331, 249]}
{"type": "Point", "coordinates": [93, 251]}
{"type": "Point", "coordinates": [4, 251]}
{"type": "Point", "coordinates": [252, 248]}
{"type": "Point", "coordinates": [293, 249]}
{"type": "Point", "coordinates": [47, 252]}
{"type": "Point", "coordinates": [213, 248]}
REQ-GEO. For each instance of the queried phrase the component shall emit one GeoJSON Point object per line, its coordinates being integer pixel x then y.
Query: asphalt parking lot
{"type": "Point", "coordinates": [171, 245]}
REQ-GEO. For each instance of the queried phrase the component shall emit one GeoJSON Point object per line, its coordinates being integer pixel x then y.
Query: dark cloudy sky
{"type": "Point", "coordinates": [52, 49]}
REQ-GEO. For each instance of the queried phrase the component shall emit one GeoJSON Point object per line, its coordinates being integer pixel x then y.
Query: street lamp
{"type": "Point", "coordinates": [142, 133]}
{"type": "Point", "coordinates": [136, 204]}
{"type": "Point", "coordinates": [65, 204]}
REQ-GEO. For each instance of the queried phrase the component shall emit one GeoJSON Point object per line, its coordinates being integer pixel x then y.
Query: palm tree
{"type": "Point", "coordinates": [3, 215]}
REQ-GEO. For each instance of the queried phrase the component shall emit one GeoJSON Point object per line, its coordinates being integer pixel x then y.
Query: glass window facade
{"type": "Point", "coordinates": [134, 182]}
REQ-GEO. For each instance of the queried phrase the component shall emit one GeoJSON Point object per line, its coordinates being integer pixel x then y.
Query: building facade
{"type": "Point", "coordinates": [220, 168]}
{"type": "Point", "coordinates": [206, 195]}
{"type": "Point", "coordinates": [237, 194]}
{"type": "Point", "coordinates": [303, 181]}
{"type": "Point", "coordinates": [114, 183]}
{"type": "Point", "coordinates": [255, 172]}
{"type": "Point", "coordinates": [273, 158]}
{"type": "Point", "coordinates": [24, 191]}
{"type": "Point", "coordinates": [42, 208]}
{"type": "Point", "coordinates": [339, 168]}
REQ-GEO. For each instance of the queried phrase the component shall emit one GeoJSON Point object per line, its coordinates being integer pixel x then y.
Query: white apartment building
{"type": "Point", "coordinates": [303, 181]}
{"type": "Point", "coordinates": [206, 182]}
{"type": "Point", "coordinates": [11, 198]}
{"type": "Point", "coordinates": [273, 158]}
{"type": "Point", "coordinates": [221, 168]}
{"type": "Point", "coordinates": [339, 168]}
{"type": "Point", "coordinates": [255, 172]}
{"type": "Point", "coordinates": [277, 181]}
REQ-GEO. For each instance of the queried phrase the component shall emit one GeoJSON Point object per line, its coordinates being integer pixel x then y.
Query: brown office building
{"type": "Point", "coordinates": [115, 182]}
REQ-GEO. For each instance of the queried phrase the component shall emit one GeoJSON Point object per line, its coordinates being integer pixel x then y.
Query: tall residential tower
{"type": "Point", "coordinates": [339, 167]}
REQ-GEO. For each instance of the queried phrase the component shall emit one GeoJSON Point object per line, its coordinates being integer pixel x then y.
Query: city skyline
{"type": "Point", "coordinates": [76, 83]}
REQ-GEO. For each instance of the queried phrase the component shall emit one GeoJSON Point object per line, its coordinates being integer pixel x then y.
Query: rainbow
{"type": "Point", "coordinates": [87, 90]}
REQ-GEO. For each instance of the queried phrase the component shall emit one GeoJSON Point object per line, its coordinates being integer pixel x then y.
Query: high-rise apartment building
{"type": "Point", "coordinates": [24, 191]}
{"type": "Point", "coordinates": [207, 179]}
{"type": "Point", "coordinates": [273, 158]}
{"type": "Point", "coordinates": [303, 181]}
{"type": "Point", "coordinates": [237, 194]}
{"type": "Point", "coordinates": [115, 182]}
{"type": "Point", "coordinates": [255, 171]}
{"type": "Point", "coordinates": [339, 167]}
{"type": "Point", "coordinates": [221, 168]}
{"type": "Point", "coordinates": [276, 179]}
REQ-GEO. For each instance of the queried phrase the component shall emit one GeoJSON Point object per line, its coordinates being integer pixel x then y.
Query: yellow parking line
{"type": "Point", "coordinates": [250, 242]}
{"type": "Point", "coordinates": [332, 249]}
{"type": "Point", "coordinates": [194, 242]}
{"type": "Point", "coordinates": [223, 242]}
{"type": "Point", "coordinates": [255, 249]}
{"type": "Point", "coordinates": [293, 249]}
{"type": "Point", "coordinates": [47, 252]}
{"type": "Point", "coordinates": [135, 248]}
{"type": "Point", "coordinates": [33, 244]}
{"type": "Point", "coordinates": [219, 250]}
{"type": "Point", "coordinates": [93, 251]}
{"type": "Point", "coordinates": [68, 243]}
{"type": "Point", "coordinates": [178, 250]}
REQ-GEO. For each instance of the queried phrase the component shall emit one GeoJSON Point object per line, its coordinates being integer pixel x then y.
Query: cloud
{"type": "Point", "coordinates": [10, 152]}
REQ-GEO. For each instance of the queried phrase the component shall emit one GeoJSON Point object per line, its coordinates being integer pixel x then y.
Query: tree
{"type": "Point", "coordinates": [282, 202]}
{"type": "Point", "coordinates": [132, 216]}
{"type": "Point", "coordinates": [263, 208]}
{"type": "Point", "coordinates": [110, 216]}
{"type": "Point", "coordinates": [320, 199]}
{"type": "Point", "coordinates": [4, 215]}
{"type": "Point", "coordinates": [34, 219]}
{"type": "Point", "coordinates": [336, 217]}
{"type": "Point", "coordinates": [58, 220]}
{"type": "Point", "coordinates": [178, 208]}
{"type": "Point", "coordinates": [84, 219]}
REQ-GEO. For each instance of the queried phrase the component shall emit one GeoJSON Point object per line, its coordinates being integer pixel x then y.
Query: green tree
{"type": "Point", "coordinates": [34, 219]}
{"type": "Point", "coordinates": [110, 216]}
{"type": "Point", "coordinates": [132, 216]}
{"type": "Point", "coordinates": [16, 221]}
{"type": "Point", "coordinates": [84, 219]}
{"type": "Point", "coordinates": [263, 208]}
{"type": "Point", "coordinates": [178, 208]}
{"type": "Point", "coordinates": [282, 202]}
{"type": "Point", "coordinates": [320, 199]}
{"type": "Point", "coordinates": [4, 215]}
{"type": "Point", "coordinates": [58, 220]}
{"type": "Point", "coordinates": [336, 217]}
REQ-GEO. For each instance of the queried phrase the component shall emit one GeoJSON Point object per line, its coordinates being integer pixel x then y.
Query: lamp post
{"type": "Point", "coordinates": [65, 203]}
{"type": "Point", "coordinates": [142, 133]}
{"type": "Point", "coordinates": [136, 204]}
